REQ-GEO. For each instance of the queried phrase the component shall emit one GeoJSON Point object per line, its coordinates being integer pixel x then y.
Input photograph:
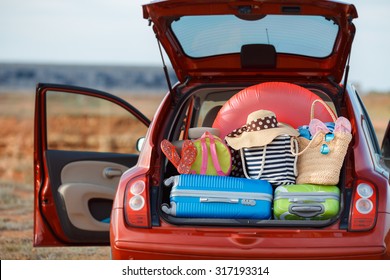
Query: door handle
{"type": "Point", "coordinates": [110, 172]}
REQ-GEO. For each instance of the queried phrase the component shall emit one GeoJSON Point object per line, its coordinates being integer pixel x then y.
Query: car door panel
{"type": "Point", "coordinates": [85, 188]}
{"type": "Point", "coordinates": [75, 191]}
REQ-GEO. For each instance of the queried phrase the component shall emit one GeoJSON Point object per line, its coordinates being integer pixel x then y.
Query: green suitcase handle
{"type": "Point", "coordinates": [306, 210]}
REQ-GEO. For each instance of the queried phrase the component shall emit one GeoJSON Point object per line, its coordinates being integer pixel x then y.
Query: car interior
{"type": "Point", "coordinates": [205, 107]}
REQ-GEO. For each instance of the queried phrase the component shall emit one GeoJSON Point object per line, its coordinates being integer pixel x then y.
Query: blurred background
{"type": "Point", "coordinates": [107, 45]}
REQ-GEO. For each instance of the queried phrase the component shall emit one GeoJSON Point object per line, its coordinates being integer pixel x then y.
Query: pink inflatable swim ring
{"type": "Point", "coordinates": [290, 103]}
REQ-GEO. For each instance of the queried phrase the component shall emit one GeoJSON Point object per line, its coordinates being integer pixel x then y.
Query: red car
{"type": "Point", "coordinates": [104, 196]}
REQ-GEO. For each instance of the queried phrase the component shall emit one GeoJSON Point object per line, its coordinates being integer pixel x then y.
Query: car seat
{"type": "Point", "coordinates": [210, 116]}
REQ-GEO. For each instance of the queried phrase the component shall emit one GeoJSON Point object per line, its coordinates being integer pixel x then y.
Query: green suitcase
{"type": "Point", "coordinates": [306, 202]}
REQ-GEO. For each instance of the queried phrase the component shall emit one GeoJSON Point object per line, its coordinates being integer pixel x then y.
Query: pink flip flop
{"type": "Point", "coordinates": [342, 125]}
{"type": "Point", "coordinates": [170, 152]}
{"type": "Point", "coordinates": [188, 156]}
{"type": "Point", "coordinates": [316, 125]}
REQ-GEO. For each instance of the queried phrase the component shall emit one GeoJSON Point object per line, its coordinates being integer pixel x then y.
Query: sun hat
{"type": "Point", "coordinates": [260, 129]}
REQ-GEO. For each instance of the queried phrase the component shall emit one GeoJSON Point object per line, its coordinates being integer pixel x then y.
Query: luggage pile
{"type": "Point", "coordinates": [262, 170]}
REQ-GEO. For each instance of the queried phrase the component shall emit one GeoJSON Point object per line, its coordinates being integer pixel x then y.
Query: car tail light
{"type": "Point", "coordinates": [364, 208]}
{"type": "Point", "coordinates": [136, 203]}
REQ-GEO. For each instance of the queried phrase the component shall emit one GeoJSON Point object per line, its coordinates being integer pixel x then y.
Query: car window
{"type": "Point", "coordinates": [83, 123]}
{"type": "Point", "coordinates": [369, 128]}
{"type": "Point", "coordinates": [202, 36]}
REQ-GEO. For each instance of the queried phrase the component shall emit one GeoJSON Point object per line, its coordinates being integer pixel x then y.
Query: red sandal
{"type": "Point", "coordinates": [170, 152]}
{"type": "Point", "coordinates": [188, 156]}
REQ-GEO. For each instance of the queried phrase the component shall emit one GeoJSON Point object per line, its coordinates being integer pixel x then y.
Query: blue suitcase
{"type": "Point", "coordinates": [204, 196]}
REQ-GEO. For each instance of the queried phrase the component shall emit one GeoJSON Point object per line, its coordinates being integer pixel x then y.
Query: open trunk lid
{"type": "Point", "coordinates": [242, 40]}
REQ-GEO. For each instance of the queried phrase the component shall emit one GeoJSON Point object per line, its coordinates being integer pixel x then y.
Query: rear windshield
{"type": "Point", "coordinates": [202, 36]}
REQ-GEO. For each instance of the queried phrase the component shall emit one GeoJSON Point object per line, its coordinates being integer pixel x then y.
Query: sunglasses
{"type": "Point", "coordinates": [325, 148]}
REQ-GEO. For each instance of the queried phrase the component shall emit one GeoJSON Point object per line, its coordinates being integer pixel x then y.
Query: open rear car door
{"type": "Point", "coordinates": [83, 141]}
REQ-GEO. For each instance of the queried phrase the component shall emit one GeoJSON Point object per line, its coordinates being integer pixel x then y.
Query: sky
{"type": "Point", "coordinates": [114, 32]}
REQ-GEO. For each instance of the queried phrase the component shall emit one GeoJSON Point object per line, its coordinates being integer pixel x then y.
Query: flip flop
{"type": "Point", "coordinates": [342, 125]}
{"type": "Point", "coordinates": [170, 152]}
{"type": "Point", "coordinates": [316, 125]}
{"type": "Point", "coordinates": [188, 156]}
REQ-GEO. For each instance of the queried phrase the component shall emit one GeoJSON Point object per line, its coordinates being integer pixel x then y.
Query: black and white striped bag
{"type": "Point", "coordinates": [273, 162]}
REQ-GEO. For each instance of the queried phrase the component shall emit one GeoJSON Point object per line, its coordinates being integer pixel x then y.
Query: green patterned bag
{"type": "Point", "coordinates": [213, 156]}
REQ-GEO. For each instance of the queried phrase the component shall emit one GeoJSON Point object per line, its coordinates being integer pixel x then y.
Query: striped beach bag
{"type": "Point", "coordinates": [273, 162]}
{"type": "Point", "coordinates": [263, 149]}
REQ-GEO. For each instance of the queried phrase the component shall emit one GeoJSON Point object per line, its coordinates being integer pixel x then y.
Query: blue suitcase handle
{"type": "Point", "coordinates": [217, 199]}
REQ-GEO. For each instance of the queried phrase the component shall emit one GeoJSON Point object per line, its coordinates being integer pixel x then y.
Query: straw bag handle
{"type": "Point", "coordinates": [307, 147]}
{"type": "Point", "coordinates": [330, 111]}
{"type": "Point", "coordinates": [214, 155]}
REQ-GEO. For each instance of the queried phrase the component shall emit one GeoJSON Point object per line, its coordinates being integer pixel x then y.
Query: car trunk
{"type": "Point", "coordinates": [221, 48]}
{"type": "Point", "coordinates": [195, 106]}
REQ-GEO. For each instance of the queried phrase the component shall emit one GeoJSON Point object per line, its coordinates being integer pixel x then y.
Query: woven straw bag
{"type": "Point", "coordinates": [315, 167]}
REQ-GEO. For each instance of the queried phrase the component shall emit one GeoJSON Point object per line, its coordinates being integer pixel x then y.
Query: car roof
{"type": "Point", "coordinates": [240, 40]}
